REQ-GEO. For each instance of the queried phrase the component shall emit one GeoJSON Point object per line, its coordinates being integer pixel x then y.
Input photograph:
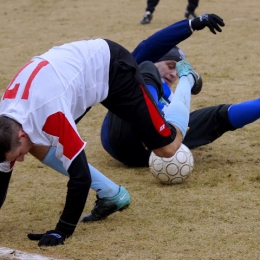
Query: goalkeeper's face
{"type": "Point", "coordinates": [167, 70]}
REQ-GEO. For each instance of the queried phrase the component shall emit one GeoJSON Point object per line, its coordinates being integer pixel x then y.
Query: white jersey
{"type": "Point", "coordinates": [54, 89]}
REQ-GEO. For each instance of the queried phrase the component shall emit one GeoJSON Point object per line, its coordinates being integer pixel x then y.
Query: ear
{"type": "Point", "coordinates": [22, 134]}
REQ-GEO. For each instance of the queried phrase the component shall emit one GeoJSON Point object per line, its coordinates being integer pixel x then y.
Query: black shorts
{"type": "Point", "coordinates": [120, 140]}
{"type": "Point", "coordinates": [131, 101]}
{"type": "Point", "coordinates": [206, 125]}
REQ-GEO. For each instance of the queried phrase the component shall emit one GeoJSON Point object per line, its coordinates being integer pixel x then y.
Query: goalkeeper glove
{"type": "Point", "coordinates": [212, 21]}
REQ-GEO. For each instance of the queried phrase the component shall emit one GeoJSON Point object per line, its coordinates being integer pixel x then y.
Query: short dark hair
{"type": "Point", "coordinates": [9, 130]}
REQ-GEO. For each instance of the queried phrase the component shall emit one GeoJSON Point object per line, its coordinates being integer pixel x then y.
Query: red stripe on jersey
{"type": "Point", "coordinates": [157, 119]}
{"type": "Point", "coordinates": [58, 125]}
{"type": "Point", "coordinates": [11, 93]}
{"type": "Point", "coordinates": [12, 164]}
{"type": "Point", "coordinates": [31, 78]}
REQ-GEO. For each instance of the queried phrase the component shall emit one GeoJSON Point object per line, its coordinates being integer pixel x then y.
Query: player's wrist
{"type": "Point", "coordinates": [65, 228]}
{"type": "Point", "coordinates": [190, 25]}
{"type": "Point", "coordinates": [197, 24]}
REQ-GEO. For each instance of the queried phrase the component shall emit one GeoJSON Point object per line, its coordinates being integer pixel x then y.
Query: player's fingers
{"type": "Point", "coordinates": [34, 236]}
{"type": "Point", "coordinates": [218, 20]}
{"type": "Point", "coordinates": [216, 27]}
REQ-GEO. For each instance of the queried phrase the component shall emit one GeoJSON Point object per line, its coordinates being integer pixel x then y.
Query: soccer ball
{"type": "Point", "coordinates": [173, 170]}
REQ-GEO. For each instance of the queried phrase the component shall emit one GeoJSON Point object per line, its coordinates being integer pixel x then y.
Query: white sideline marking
{"type": "Point", "coordinates": [19, 255]}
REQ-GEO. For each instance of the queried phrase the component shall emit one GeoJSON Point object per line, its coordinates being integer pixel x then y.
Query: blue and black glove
{"type": "Point", "coordinates": [50, 238]}
{"type": "Point", "coordinates": [212, 21]}
{"type": "Point", "coordinates": [54, 237]}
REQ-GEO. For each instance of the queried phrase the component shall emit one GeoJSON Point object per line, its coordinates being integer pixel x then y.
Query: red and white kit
{"type": "Point", "coordinates": [54, 89]}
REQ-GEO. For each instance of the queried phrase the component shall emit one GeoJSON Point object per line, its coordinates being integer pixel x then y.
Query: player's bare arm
{"type": "Point", "coordinates": [170, 149]}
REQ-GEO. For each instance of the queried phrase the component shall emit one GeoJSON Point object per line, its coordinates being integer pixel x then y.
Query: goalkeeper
{"type": "Point", "coordinates": [205, 124]}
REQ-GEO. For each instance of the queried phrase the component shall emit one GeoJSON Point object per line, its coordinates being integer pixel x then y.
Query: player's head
{"type": "Point", "coordinates": [167, 63]}
{"type": "Point", "coordinates": [14, 142]}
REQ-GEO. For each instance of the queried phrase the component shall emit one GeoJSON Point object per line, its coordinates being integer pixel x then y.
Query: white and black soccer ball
{"type": "Point", "coordinates": [173, 170]}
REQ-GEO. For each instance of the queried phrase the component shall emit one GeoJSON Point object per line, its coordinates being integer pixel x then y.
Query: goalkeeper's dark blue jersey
{"type": "Point", "coordinates": [155, 46]}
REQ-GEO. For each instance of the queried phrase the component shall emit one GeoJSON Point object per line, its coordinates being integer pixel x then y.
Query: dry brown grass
{"type": "Point", "coordinates": [213, 215]}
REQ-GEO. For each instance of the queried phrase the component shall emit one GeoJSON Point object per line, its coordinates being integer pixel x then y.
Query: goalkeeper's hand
{"type": "Point", "coordinates": [212, 21]}
{"type": "Point", "coordinates": [50, 238]}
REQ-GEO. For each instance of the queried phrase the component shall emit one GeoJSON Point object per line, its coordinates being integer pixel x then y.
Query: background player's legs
{"type": "Point", "coordinates": [190, 10]}
{"type": "Point", "coordinates": [151, 4]}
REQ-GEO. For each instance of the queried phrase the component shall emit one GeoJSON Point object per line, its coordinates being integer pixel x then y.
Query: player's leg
{"type": "Point", "coordinates": [244, 113]}
{"type": "Point", "coordinates": [151, 4]}
{"type": "Point", "coordinates": [190, 10]}
{"type": "Point", "coordinates": [100, 183]}
{"type": "Point", "coordinates": [206, 125]}
{"type": "Point", "coordinates": [209, 123]}
{"type": "Point", "coordinates": [189, 82]}
{"type": "Point", "coordinates": [120, 140]}
{"type": "Point", "coordinates": [106, 189]}
{"type": "Point", "coordinates": [131, 101]}
{"type": "Point", "coordinates": [106, 129]}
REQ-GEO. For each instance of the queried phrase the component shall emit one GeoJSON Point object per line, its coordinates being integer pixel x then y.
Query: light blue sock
{"type": "Point", "coordinates": [100, 183]}
{"type": "Point", "coordinates": [244, 113]}
{"type": "Point", "coordinates": [178, 111]}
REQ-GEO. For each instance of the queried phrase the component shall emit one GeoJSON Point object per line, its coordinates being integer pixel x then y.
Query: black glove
{"type": "Point", "coordinates": [212, 21]}
{"type": "Point", "coordinates": [50, 238]}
